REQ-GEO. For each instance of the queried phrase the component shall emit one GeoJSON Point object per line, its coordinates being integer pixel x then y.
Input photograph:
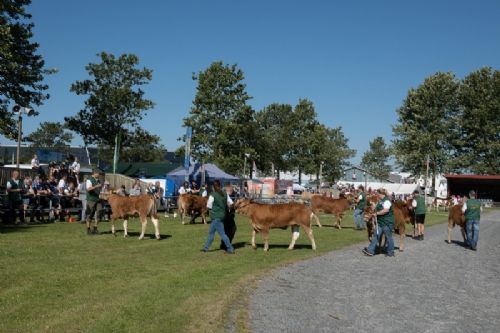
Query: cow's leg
{"type": "Point", "coordinates": [315, 215]}
{"type": "Point", "coordinates": [338, 218]}
{"type": "Point", "coordinates": [144, 221]}
{"type": "Point", "coordinates": [113, 225]}
{"type": "Point", "coordinates": [464, 235]}
{"type": "Point", "coordinates": [265, 237]}
{"type": "Point", "coordinates": [309, 232]}
{"type": "Point", "coordinates": [125, 226]}
{"type": "Point", "coordinates": [156, 224]}
{"type": "Point", "coordinates": [450, 228]}
{"type": "Point", "coordinates": [254, 246]}
{"type": "Point", "coordinates": [295, 236]}
{"type": "Point", "coordinates": [402, 235]}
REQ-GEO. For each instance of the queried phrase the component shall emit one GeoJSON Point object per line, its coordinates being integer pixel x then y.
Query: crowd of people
{"type": "Point", "coordinates": [60, 192]}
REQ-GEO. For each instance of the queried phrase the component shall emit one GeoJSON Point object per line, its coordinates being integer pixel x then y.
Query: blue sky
{"type": "Point", "coordinates": [355, 60]}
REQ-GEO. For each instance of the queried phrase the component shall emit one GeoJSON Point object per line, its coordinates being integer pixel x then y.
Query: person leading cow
{"type": "Point", "coordinates": [218, 202]}
{"type": "Point", "coordinates": [360, 201]}
{"type": "Point", "coordinates": [385, 223]}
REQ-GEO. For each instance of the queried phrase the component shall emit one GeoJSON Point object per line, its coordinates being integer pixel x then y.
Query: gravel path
{"type": "Point", "coordinates": [431, 287]}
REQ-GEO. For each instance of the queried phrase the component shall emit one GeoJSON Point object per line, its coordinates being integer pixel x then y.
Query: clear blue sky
{"type": "Point", "coordinates": [355, 60]}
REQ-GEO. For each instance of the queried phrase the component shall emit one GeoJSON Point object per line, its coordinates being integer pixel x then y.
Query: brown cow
{"type": "Point", "coordinates": [264, 217]}
{"type": "Point", "coordinates": [123, 207]}
{"type": "Point", "coordinates": [328, 205]}
{"type": "Point", "coordinates": [188, 203]}
{"type": "Point", "coordinates": [456, 217]}
{"type": "Point", "coordinates": [402, 216]}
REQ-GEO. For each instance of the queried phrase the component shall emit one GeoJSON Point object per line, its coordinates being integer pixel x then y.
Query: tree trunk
{"type": "Point", "coordinates": [300, 176]}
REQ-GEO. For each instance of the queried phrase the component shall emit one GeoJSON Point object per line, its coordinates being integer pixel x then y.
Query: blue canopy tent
{"type": "Point", "coordinates": [212, 172]}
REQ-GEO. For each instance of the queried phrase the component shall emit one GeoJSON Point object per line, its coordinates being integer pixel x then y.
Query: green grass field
{"type": "Point", "coordinates": [55, 278]}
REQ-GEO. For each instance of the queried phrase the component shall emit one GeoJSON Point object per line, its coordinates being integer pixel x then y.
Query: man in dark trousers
{"type": "Point", "coordinates": [418, 203]}
{"type": "Point", "coordinates": [472, 211]}
{"type": "Point", "coordinates": [229, 222]}
{"type": "Point", "coordinates": [15, 188]}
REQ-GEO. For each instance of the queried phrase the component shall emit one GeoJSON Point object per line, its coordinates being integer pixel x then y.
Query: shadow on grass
{"type": "Point", "coordinates": [119, 233]}
{"type": "Point", "coordinates": [6, 228]}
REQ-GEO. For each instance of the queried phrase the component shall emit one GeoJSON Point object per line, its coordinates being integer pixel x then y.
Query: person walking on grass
{"type": "Point", "coordinates": [385, 222]}
{"type": "Point", "coordinates": [93, 186]}
{"type": "Point", "coordinates": [418, 204]}
{"type": "Point", "coordinates": [218, 202]}
{"type": "Point", "coordinates": [472, 211]}
{"type": "Point", "coordinates": [360, 201]}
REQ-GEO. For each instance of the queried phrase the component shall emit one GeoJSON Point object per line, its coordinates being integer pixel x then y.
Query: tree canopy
{"type": "Point", "coordinates": [375, 160]}
{"type": "Point", "coordinates": [22, 69]}
{"type": "Point", "coordinates": [222, 122]}
{"type": "Point", "coordinates": [50, 135]}
{"type": "Point", "coordinates": [425, 122]}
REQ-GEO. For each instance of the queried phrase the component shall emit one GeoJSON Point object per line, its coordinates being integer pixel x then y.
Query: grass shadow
{"type": "Point", "coordinates": [7, 228]}
{"type": "Point", "coordinates": [135, 234]}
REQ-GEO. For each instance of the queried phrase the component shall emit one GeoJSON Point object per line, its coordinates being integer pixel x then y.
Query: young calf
{"type": "Point", "coordinates": [264, 217]}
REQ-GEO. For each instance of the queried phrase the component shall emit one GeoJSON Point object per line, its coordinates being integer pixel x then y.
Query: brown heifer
{"type": "Point", "coordinates": [402, 216]}
{"type": "Point", "coordinates": [264, 217]}
{"type": "Point", "coordinates": [456, 217]}
{"type": "Point", "coordinates": [123, 207]}
{"type": "Point", "coordinates": [189, 203]}
{"type": "Point", "coordinates": [328, 205]}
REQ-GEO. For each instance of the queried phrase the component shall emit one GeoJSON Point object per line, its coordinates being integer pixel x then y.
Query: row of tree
{"type": "Point", "coordinates": [280, 137]}
{"type": "Point", "coordinates": [452, 123]}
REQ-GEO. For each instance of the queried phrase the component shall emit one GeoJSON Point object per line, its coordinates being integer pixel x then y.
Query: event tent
{"type": "Point", "coordinates": [390, 187]}
{"type": "Point", "coordinates": [212, 172]}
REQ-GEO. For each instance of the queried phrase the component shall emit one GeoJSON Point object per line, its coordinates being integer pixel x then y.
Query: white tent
{"type": "Point", "coordinates": [390, 187]}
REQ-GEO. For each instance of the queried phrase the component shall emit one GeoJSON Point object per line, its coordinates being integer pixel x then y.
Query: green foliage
{"type": "Point", "coordinates": [275, 132]}
{"type": "Point", "coordinates": [50, 135]}
{"type": "Point", "coordinates": [376, 158]}
{"type": "Point", "coordinates": [142, 146]}
{"type": "Point", "coordinates": [425, 122]}
{"type": "Point", "coordinates": [21, 68]}
{"type": "Point", "coordinates": [223, 124]}
{"type": "Point", "coordinates": [477, 143]}
{"type": "Point", "coordinates": [115, 102]}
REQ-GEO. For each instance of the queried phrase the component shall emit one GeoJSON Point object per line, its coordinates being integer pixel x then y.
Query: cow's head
{"type": "Point", "coordinates": [241, 205]}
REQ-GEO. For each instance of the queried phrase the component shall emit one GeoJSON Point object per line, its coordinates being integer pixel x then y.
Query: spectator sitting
{"type": "Point", "coordinates": [136, 189]}
{"type": "Point", "coordinates": [122, 191]}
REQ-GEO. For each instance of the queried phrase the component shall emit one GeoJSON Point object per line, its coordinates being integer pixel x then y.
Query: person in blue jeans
{"type": "Point", "coordinates": [472, 211]}
{"type": "Point", "coordinates": [385, 223]}
{"type": "Point", "coordinates": [218, 202]}
{"type": "Point", "coordinates": [360, 201]}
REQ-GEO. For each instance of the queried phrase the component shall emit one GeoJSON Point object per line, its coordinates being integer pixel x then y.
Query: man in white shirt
{"type": "Point", "coordinates": [75, 167]}
{"type": "Point", "coordinates": [35, 164]}
{"type": "Point", "coordinates": [184, 188]}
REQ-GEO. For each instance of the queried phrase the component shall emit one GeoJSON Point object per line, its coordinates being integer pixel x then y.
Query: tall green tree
{"type": "Point", "coordinates": [115, 102]}
{"type": "Point", "coordinates": [50, 135]}
{"type": "Point", "coordinates": [477, 143]}
{"type": "Point", "coordinates": [222, 122]}
{"type": "Point", "coordinates": [303, 125]}
{"type": "Point", "coordinates": [425, 121]}
{"type": "Point", "coordinates": [330, 147]}
{"type": "Point", "coordinates": [275, 130]}
{"type": "Point", "coordinates": [22, 69]}
{"type": "Point", "coordinates": [375, 160]}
